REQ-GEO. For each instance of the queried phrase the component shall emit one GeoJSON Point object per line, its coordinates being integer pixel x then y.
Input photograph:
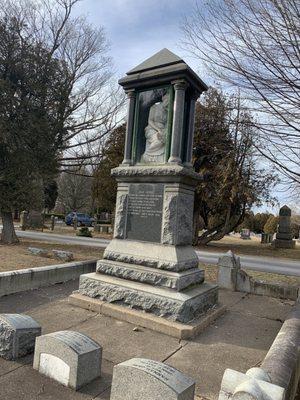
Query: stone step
{"type": "Point", "coordinates": [181, 306]}
{"type": "Point", "coordinates": [173, 280]}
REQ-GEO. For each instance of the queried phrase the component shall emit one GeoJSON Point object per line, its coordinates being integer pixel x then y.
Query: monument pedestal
{"type": "Point", "coordinates": [150, 265]}
{"type": "Point", "coordinates": [284, 243]}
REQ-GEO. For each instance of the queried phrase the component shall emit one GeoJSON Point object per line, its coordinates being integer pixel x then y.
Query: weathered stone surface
{"type": "Point", "coordinates": [228, 269]}
{"type": "Point", "coordinates": [153, 255]}
{"type": "Point", "coordinates": [173, 280]}
{"type": "Point", "coordinates": [178, 219]}
{"type": "Point", "coordinates": [169, 219]}
{"type": "Point", "coordinates": [63, 255]}
{"type": "Point", "coordinates": [185, 219]}
{"type": "Point", "coordinates": [69, 357]}
{"type": "Point", "coordinates": [255, 385]}
{"type": "Point", "coordinates": [284, 244]}
{"type": "Point", "coordinates": [17, 335]}
{"type": "Point", "coordinates": [146, 170]}
{"type": "Point", "coordinates": [38, 252]}
{"type": "Point", "coordinates": [176, 306]}
{"type": "Point", "coordinates": [120, 215]}
{"type": "Point", "coordinates": [282, 360]}
{"type": "Point", "coordinates": [140, 378]}
{"type": "Point", "coordinates": [284, 234]}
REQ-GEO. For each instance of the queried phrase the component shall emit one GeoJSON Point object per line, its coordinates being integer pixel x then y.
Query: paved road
{"type": "Point", "coordinates": [259, 263]}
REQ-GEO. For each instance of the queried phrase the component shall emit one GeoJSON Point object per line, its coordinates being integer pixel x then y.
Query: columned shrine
{"type": "Point", "coordinates": [150, 264]}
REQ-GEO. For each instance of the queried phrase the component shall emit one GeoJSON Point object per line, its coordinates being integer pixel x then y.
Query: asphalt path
{"type": "Point", "coordinates": [259, 263]}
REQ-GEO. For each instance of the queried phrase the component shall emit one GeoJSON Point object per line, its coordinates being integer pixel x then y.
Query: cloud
{"type": "Point", "coordinates": [137, 28]}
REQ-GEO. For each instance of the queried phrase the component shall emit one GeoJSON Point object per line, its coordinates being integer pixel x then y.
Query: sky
{"type": "Point", "coordinates": [136, 29]}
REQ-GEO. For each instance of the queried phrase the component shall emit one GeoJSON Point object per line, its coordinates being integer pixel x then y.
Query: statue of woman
{"type": "Point", "coordinates": [156, 132]}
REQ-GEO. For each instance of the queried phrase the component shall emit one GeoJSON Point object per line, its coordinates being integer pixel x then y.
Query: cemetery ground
{"type": "Point", "coordinates": [239, 340]}
{"type": "Point", "coordinates": [230, 242]}
{"type": "Point", "coordinates": [18, 257]}
{"type": "Point", "coordinates": [251, 247]}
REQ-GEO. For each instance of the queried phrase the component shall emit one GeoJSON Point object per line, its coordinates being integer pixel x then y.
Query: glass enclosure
{"type": "Point", "coordinates": [153, 125]}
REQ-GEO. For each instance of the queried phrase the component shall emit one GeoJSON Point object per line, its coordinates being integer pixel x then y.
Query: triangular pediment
{"type": "Point", "coordinates": [160, 59]}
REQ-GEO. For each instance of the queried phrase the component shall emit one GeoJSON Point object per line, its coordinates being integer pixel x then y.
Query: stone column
{"type": "Point", "coordinates": [190, 138]}
{"type": "Point", "coordinates": [178, 120]}
{"type": "Point", "coordinates": [131, 94]}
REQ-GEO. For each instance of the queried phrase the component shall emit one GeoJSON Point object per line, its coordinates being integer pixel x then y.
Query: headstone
{"type": "Point", "coordinates": [245, 234]}
{"type": "Point", "coordinates": [17, 335]}
{"type": "Point", "coordinates": [52, 222]}
{"type": "Point", "coordinates": [266, 238]}
{"type": "Point", "coordinates": [150, 264]}
{"type": "Point", "coordinates": [140, 378]}
{"type": "Point", "coordinates": [38, 252]}
{"type": "Point", "coordinates": [69, 357]}
{"type": "Point", "coordinates": [103, 229]}
{"type": "Point", "coordinates": [254, 385]}
{"type": "Point", "coordinates": [35, 220]}
{"type": "Point", "coordinates": [284, 236]}
{"type": "Point", "coordinates": [228, 267]}
{"type": "Point", "coordinates": [63, 255]}
{"type": "Point", "coordinates": [23, 220]}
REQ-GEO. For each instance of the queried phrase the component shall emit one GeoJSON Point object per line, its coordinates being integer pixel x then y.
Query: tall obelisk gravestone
{"type": "Point", "coordinates": [150, 264]}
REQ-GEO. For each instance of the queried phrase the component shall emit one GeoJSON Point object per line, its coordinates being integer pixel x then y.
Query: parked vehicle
{"type": "Point", "coordinates": [82, 219]}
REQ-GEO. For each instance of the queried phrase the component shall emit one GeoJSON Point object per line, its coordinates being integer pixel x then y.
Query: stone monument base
{"type": "Point", "coordinates": [284, 244]}
{"type": "Point", "coordinates": [148, 320]}
{"type": "Point", "coordinates": [183, 306]}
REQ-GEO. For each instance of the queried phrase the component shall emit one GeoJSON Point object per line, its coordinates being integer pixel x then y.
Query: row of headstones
{"type": "Point", "coordinates": [74, 360]}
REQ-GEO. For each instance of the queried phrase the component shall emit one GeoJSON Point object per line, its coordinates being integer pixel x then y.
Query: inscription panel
{"type": "Point", "coordinates": [76, 341]}
{"type": "Point", "coordinates": [165, 373]}
{"type": "Point", "coordinates": [144, 213]}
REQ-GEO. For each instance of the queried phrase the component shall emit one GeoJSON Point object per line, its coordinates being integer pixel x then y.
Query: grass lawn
{"type": "Point", "coordinates": [251, 247]}
{"type": "Point", "coordinates": [18, 257]}
{"type": "Point", "coordinates": [211, 275]}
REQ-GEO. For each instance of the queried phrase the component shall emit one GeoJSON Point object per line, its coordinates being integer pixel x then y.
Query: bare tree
{"type": "Point", "coordinates": [58, 102]}
{"type": "Point", "coordinates": [75, 192]}
{"type": "Point", "coordinates": [255, 45]}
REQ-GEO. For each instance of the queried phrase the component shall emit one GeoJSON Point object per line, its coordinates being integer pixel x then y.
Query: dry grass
{"type": "Point", "coordinates": [211, 275]}
{"type": "Point", "coordinates": [18, 257]}
{"type": "Point", "coordinates": [251, 247]}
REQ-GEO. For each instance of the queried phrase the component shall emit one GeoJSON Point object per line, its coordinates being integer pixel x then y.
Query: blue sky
{"type": "Point", "coordinates": [136, 29]}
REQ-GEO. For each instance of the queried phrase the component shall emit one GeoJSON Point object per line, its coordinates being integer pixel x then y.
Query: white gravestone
{"type": "Point", "coordinates": [140, 378]}
{"type": "Point", "coordinates": [69, 357]}
{"type": "Point", "coordinates": [17, 335]}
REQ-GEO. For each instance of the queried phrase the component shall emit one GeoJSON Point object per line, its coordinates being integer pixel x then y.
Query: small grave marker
{"type": "Point", "coordinates": [69, 357]}
{"type": "Point", "coordinates": [17, 335]}
{"type": "Point", "coordinates": [140, 378]}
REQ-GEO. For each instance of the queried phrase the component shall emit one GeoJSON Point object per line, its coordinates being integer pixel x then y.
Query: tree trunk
{"type": "Point", "coordinates": [8, 235]}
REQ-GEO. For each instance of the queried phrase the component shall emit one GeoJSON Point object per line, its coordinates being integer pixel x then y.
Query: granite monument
{"type": "Point", "coordinates": [150, 264]}
{"type": "Point", "coordinates": [284, 236]}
